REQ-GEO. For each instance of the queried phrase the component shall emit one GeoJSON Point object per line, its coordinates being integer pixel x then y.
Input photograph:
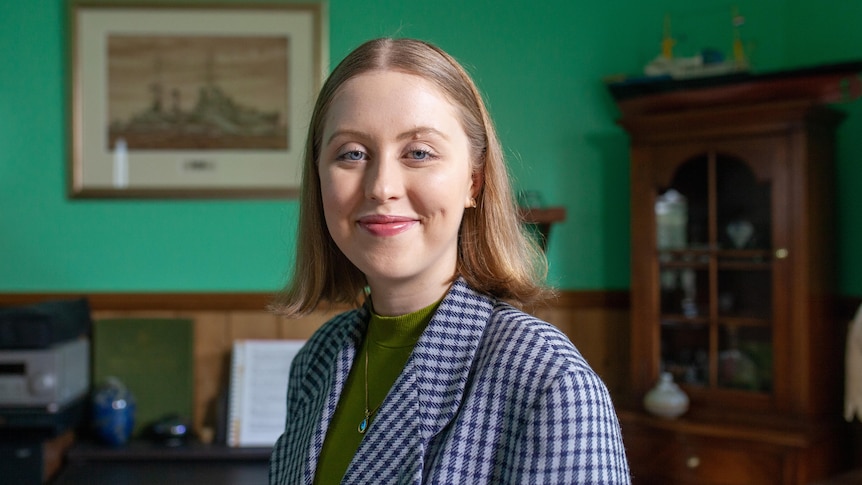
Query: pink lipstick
{"type": "Point", "coordinates": [383, 226]}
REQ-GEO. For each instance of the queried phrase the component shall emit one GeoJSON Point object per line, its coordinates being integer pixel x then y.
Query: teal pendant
{"type": "Point", "coordinates": [363, 426]}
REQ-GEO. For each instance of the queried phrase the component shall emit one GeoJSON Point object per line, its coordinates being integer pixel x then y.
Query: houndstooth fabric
{"type": "Point", "coordinates": [489, 395]}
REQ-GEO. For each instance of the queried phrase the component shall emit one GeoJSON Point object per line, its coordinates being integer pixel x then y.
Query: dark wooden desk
{"type": "Point", "coordinates": [143, 463]}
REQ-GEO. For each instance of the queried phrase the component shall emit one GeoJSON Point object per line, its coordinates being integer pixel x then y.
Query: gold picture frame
{"type": "Point", "coordinates": [191, 101]}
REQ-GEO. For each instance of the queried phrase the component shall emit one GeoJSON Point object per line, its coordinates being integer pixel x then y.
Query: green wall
{"type": "Point", "coordinates": [828, 31]}
{"type": "Point", "coordinates": [540, 65]}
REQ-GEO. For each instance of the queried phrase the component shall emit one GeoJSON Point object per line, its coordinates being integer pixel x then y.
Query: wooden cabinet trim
{"type": "Point", "coordinates": [258, 301]}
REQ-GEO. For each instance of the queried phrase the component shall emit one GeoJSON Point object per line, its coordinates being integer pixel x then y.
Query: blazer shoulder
{"type": "Point", "coordinates": [512, 331]}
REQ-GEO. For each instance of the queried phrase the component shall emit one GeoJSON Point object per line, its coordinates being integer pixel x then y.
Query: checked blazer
{"type": "Point", "coordinates": [490, 395]}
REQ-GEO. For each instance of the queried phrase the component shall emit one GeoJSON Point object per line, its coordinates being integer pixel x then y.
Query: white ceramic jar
{"type": "Point", "coordinates": [666, 399]}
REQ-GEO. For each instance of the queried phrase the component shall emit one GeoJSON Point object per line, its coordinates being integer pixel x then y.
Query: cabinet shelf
{"type": "Point", "coordinates": [703, 254]}
{"type": "Point", "coordinates": [744, 266]}
{"type": "Point", "coordinates": [722, 265]}
{"type": "Point", "coordinates": [679, 319]}
{"type": "Point", "coordinates": [684, 264]}
{"type": "Point", "coordinates": [744, 322]}
{"type": "Point", "coordinates": [727, 321]}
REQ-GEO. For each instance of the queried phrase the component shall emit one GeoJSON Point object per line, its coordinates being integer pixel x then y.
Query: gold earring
{"type": "Point", "coordinates": [472, 202]}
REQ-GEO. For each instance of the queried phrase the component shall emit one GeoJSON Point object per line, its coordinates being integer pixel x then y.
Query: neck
{"type": "Point", "coordinates": [394, 299]}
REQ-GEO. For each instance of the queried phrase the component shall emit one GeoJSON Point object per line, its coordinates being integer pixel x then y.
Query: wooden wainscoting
{"type": "Point", "coordinates": [596, 321]}
{"type": "Point", "coordinates": [598, 324]}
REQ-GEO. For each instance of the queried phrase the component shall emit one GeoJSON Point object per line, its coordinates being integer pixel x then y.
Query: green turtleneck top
{"type": "Point", "coordinates": [388, 344]}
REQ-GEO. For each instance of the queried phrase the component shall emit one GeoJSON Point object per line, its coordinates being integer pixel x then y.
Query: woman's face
{"type": "Point", "coordinates": [395, 177]}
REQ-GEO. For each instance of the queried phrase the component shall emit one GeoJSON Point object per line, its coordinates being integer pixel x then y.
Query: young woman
{"type": "Point", "coordinates": [436, 376]}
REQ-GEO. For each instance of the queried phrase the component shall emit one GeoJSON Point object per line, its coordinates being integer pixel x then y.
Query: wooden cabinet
{"type": "Point", "coordinates": [729, 451]}
{"type": "Point", "coordinates": [732, 278]}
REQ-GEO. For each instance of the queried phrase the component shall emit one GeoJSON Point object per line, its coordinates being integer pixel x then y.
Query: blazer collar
{"type": "Point", "coordinates": [427, 394]}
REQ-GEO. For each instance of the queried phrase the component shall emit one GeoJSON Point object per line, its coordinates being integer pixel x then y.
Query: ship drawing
{"type": "Point", "coordinates": [214, 120]}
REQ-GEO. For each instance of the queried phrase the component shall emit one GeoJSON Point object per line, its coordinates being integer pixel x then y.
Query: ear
{"type": "Point", "coordinates": [477, 179]}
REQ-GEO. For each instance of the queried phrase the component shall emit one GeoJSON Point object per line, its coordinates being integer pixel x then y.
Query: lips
{"type": "Point", "coordinates": [383, 225]}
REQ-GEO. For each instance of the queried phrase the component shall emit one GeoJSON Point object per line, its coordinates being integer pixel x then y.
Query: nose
{"type": "Point", "coordinates": [384, 179]}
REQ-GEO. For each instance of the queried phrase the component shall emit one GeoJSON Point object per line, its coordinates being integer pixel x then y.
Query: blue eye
{"type": "Point", "coordinates": [353, 156]}
{"type": "Point", "coordinates": [419, 154]}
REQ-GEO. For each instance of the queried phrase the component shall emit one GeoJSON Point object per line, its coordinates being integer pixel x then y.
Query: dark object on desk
{"type": "Point", "coordinates": [171, 430]}
{"type": "Point", "coordinates": [44, 324]}
{"type": "Point", "coordinates": [145, 463]}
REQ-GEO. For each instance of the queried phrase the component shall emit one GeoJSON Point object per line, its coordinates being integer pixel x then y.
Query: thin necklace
{"type": "Point", "coordinates": [363, 425]}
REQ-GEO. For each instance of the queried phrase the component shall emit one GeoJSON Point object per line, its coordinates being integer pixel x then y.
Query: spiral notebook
{"type": "Point", "coordinates": [258, 390]}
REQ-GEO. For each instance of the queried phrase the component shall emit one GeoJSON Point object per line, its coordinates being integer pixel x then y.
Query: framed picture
{"type": "Point", "coordinates": [186, 101]}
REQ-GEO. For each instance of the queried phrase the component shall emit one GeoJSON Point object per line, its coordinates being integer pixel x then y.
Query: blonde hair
{"type": "Point", "coordinates": [495, 256]}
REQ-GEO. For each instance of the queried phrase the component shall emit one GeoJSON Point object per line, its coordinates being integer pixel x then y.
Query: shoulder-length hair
{"type": "Point", "coordinates": [495, 255]}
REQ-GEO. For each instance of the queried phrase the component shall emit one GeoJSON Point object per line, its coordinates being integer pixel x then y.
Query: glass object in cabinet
{"type": "Point", "coordinates": [743, 206]}
{"type": "Point", "coordinates": [682, 208]}
{"type": "Point", "coordinates": [685, 352]}
{"type": "Point", "coordinates": [684, 292]}
{"type": "Point", "coordinates": [745, 358]}
{"type": "Point", "coordinates": [671, 216]}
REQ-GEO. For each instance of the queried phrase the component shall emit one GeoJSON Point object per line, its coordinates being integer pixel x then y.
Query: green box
{"type": "Point", "coordinates": [154, 358]}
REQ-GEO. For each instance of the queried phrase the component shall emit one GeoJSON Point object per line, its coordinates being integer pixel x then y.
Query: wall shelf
{"type": "Point", "coordinates": [542, 218]}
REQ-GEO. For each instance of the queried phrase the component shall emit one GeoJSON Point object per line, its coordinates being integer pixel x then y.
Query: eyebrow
{"type": "Point", "coordinates": [409, 134]}
{"type": "Point", "coordinates": [422, 130]}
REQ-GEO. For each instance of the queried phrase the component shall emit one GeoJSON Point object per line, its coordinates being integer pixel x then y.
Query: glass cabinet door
{"type": "Point", "coordinates": [713, 240]}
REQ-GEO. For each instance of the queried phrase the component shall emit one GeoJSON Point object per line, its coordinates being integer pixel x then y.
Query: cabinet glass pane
{"type": "Point", "coordinates": [685, 352]}
{"type": "Point", "coordinates": [745, 358]}
{"type": "Point", "coordinates": [682, 210]}
{"type": "Point", "coordinates": [744, 208]}
{"type": "Point", "coordinates": [745, 294]}
{"type": "Point", "coordinates": [685, 292]}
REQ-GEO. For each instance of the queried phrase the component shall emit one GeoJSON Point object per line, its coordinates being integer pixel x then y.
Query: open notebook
{"type": "Point", "coordinates": [258, 390]}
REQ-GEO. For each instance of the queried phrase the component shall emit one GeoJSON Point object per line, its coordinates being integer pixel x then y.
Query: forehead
{"type": "Point", "coordinates": [390, 96]}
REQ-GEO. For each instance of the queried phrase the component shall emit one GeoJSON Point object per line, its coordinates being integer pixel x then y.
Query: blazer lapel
{"type": "Point", "coordinates": [344, 343]}
{"type": "Point", "coordinates": [427, 395]}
